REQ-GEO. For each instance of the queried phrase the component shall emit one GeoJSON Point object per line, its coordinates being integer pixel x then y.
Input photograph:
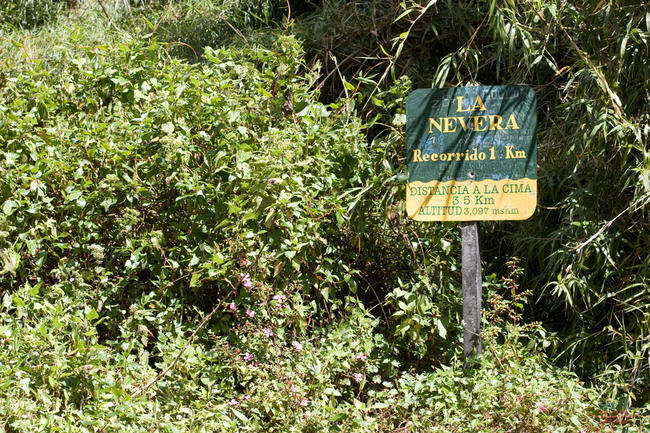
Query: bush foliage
{"type": "Point", "coordinates": [215, 241]}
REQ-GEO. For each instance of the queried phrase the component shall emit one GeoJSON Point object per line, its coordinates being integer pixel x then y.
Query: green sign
{"type": "Point", "coordinates": [471, 153]}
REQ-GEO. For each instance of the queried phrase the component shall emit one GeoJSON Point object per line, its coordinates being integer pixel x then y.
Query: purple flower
{"type": "Point", "coordinates": [246, 397]}
{"type": "Point", "coordinates": [233, 306]}
{"type": "Point", "coordinates": [267, 332]}
{"type": "Point", "coordinates": [245, 280]}
{"type": "Point", "coordinates": [233, 402]}
{"type": "Point", "coordinates": [362, 356]}
{"type": "Point", "coordinates": [297, 346]}
{"type": "Point", "coordinates": [303, 402]}
{"type": "Point", "coordinates": [358, 377]}
{"type": "Point", "coordinates": [250, 313]}
{"type": "Point", "coordinates": [280, 298]}
{"type": "Point", "coordinates": [248, 357]}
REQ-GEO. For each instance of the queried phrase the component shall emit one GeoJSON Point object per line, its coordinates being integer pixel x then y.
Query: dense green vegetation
{"type": "Point", "coordinates": [202, 224]}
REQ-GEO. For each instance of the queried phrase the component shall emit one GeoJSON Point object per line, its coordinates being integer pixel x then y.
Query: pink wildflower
{"type": "Point", "coordinates": [244, 262]}
{"type": "Point", "coordinates": [248, 357]}
{"type": "Point", "coordinates": [250, 313]}
{"type": "Point", "coordinates": [267, 332]}
{"type": "Point", "coordinates": [280, 298]}
{"type": "Point", "coordinates": [246, 397]}
{"type": "Point", "coordinates": [233, 402]}
{"type": "Point", "coordinates": [233, 306]}
{"type": "Point", "coordinates": [297, 346]}
{"type": "Point", "coordinates": [358, 377]}
{"type": "Point", "coordinates": [541, 407]}
{"type": "Point", "coordinates": [362, 356]}
{"type": "Point", "coordinates": [245, 280]}
{"type": "Point", "coordinates": [303, 402]}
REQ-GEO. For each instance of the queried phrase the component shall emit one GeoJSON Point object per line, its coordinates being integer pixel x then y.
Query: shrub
{"type": "Point", "coordinates": [208, 247]}
{"type": "Point", "coordinates": [31, 13]}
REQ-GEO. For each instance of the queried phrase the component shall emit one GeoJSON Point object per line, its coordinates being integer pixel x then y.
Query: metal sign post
{"type": "Point", "coordinates": [471, 157]}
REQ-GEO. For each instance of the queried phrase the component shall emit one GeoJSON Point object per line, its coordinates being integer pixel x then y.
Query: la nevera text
{"type": "Point", "coordinates": [476, 121]}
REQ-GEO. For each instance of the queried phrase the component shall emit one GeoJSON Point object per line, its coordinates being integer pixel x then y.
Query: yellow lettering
{"type": "Point", "coordinates": [478, 105]}
{"type": "Point", "coordinates": [432, 123]}
{"type": "Point", "coordinates": [460, 105]}
{"type": "Point", "coordinates": [417, 155]}
{"type": "Point", "coordinates": [425, 157]}
{"type": "Point", "coordinates": [434, 157]}
{"type": "Point", "coordinates": [462, 123]}
{"type": "Point", "coordinates": [449, 124]}
{"type": "Point", "coordinates": [512, 123]}
{"type": "Point", "coordinates": [479, 123]}
{"type": "Point", "coordinates": [518, 154]}
{"type": "Point", "coordinates": [495, 122]}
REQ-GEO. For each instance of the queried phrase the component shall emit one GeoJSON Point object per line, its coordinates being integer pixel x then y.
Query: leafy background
{"type": "Point", "coordinates": [203, 228]}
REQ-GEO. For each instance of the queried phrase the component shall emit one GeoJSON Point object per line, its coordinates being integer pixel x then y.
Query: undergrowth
{"type": "Point", "coordinates": [205, 242]}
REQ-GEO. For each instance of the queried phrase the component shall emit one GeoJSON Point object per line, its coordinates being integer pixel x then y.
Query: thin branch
{"type": "Point", "coordinates": [581, 247]}
{"type": "Point", "coordinates": [104, 9]}
{"type": "Point", "coordinates": [288, 13]}
{"type": "Point", "coordinates": [234, 29]}
{"type": "Point", "coordinates": [173, 363]}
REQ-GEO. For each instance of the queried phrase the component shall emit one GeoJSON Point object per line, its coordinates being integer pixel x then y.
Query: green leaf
{"type": "Point", "coordinates": [196, 280]}
{"type": "Point", "coordinates": [442, 331]}
{"type": "Point", "coordinates": [240, 415]}
{"type": "Point", "coordinates": [10, 261]}
{"type": "Point", "coordinates": [91, 314]}
{"type": "Point", "coordinates": [9, 206]}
